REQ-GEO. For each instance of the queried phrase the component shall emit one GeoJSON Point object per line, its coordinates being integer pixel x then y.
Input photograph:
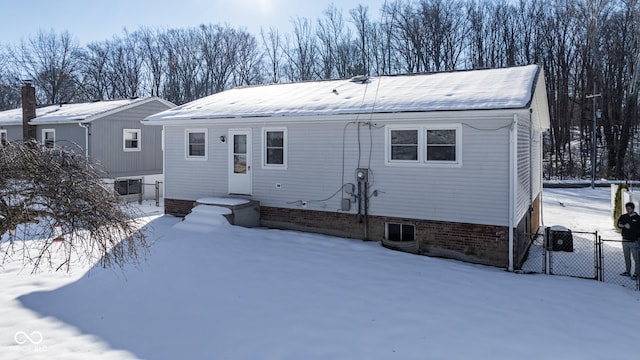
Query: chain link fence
{"type": "Point", "coordinates": [560, 251]}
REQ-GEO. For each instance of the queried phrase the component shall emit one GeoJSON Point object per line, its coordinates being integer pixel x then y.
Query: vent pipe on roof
{"type": "Point", "coordinates": [28, 93]}
{"type": "Point", "coordinates": [360, 78]}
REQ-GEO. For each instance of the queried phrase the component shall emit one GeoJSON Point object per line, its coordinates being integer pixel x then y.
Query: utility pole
{"type": "Point", "coordinates": [593, 137]}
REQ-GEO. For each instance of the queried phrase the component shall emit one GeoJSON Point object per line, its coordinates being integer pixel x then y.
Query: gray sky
{"type": "Point", "coordinates": [97, 20]}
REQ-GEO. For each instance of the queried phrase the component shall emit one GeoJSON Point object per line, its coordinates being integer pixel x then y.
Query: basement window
{"type": "Point", "coordinates": [129, 186]}
{"type": "Point", "coordinates": [400, 232]}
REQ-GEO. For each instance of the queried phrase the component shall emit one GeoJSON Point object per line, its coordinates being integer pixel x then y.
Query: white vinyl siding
{"type": "Point", "coordinates": [274, 145]}
{"type": "Point", "coordinates": [131, 140]}
{"type": "Point", "coordinates": [196, 144]}
{"type": "Point", "coordinates": [322, 156]}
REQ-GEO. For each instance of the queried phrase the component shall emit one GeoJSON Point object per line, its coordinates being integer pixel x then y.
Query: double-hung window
{"type": "Point", "coordinates": [3, 137]}
{"type": "Point", "coordinates": [131, 140]}
{"type": "Point", "coordinates": [438, 145]}
{"type": "Point", "coordinates": [49, 137]}
{"type": "Point", "coordinates": [404, 145]}
{"type": "Point", "coordinates": [196, 144]}
{"type": "Point", "coordinates": [274, 148]}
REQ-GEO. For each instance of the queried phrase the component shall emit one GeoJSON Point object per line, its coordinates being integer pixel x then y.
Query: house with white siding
{"type": "Point", "coordinates": [108, 132]}
{"type": "Point", "coordinates": [443, 164]}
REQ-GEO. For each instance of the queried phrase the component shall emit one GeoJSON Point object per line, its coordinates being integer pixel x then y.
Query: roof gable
{"type": "Point", "coordinates": [460, 90]}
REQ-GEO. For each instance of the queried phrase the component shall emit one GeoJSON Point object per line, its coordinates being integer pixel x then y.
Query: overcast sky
{"type": "Point", "coordinates": [97, 20]}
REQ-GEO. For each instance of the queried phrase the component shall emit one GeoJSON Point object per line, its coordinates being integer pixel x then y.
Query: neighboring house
{"type": "Point", "coordinates": [108, 132]}
{"type": "Point", "coordinates": [446, 164]}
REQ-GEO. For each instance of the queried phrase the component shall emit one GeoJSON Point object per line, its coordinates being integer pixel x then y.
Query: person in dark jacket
{"type": "Point", "coordinates": [630, 225]}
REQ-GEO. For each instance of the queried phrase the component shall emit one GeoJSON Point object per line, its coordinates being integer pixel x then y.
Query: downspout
{"type": "Point", "coordinates": [513, 168]}
{"type": "Point", "coordinates": [86, 138]}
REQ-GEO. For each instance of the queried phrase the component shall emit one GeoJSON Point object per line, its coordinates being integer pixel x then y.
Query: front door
{"type": "Point", "coordinates": [240, 161]}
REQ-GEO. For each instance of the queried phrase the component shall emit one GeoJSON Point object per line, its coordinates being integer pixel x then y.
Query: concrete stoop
{"type": "Point", "coordinates": [243, 212]}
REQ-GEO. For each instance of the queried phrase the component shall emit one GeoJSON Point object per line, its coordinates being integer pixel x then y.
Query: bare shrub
{"type": "Point", "coordinates": [55, 209]}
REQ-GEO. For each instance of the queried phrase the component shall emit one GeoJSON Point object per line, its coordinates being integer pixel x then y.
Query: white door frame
{"type": "Point", "coordinates": [240, 161]}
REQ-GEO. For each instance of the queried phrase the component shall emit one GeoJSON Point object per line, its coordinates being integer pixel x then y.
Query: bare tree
{"type": "Point", "coordinates": [272, 44]}
{"type": "Point", "coordinates": [365, 36]}
{"type": "Point", "coordinates": [9, 97]}
{"type": "Point", "coordinates": [301, 52]}
{"type": "Point", "coordinates": [51, 61]}
{"type": "Point", "coordinates": [154, 58]}
{"type": "Point", "coordinates": [125, 67]}
{"type": "Point", "coordinates": [95, 82]}
{"type": "Point", "coordinates": [43, 189]}
{"type": "Point", "coordinates": [184, 65]}
{"type": "Point", "coordinates": [249, 67]}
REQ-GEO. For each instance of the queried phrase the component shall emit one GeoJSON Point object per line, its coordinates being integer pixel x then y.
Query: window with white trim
{"type": "Point", "coordinates": [400, 232]}
{"type": "Point", "coordinates": [274, 153]}
{"type": "Point", "coordinates": [3, 137]}
{"type": "Point", "coordinates": [49, 137]}
{"type": "Point", "coordinates": [131, 139]}
{"type": "Point", "coordinates": [424, 145]}
{"type": "Point", "coordinates": [196, 144]}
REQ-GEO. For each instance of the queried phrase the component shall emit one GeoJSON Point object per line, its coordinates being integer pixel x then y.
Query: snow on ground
{"type": "Point", "coordinates": [225, 292]}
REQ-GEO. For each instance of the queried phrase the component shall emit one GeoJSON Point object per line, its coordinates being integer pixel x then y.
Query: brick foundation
{"type": "Point", "coordinates": [178, 207]}
{"type": "Point", "coordinates": [474, 243]}
{"type": "Point", "coordinates": [482, 244]}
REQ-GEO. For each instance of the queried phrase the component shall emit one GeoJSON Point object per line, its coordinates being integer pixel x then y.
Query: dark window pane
{"type": "Point", "coordinates": [408, 233]}
{"type": "Point", "coordinates": [404, 152]}
{"type": "Point", "coordinates": [275, 139]}
{"type": "Point", "coordinates": [447, 137]}
{"type": "Point", "coordinates": [240, 144]}
{"type": "Point", "coordinates": [275, 156]}
{"type": "Point", "coordinates": [441, 153]}
{"type": "Point", "coordinates": [122, 187]}
{"type": "Point", "coordinates": [404, 137]}
{"type": "Point", "coordinates": [393, 232]}
{"type": "Point", "coordinates": [135, 186]}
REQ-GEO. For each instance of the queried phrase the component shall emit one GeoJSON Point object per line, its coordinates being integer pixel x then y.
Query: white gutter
{"type": "Point", "coordinates": [86, 138]}
{"type": "Point", "coordinates": [513, 174]}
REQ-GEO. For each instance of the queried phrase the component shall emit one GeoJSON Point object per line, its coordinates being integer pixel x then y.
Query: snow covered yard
{"type": "Point", "coordinates": [224, 292]}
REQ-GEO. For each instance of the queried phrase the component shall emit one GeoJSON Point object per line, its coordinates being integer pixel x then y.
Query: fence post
{"type": "Point", "coordinates": [157, 193]}
{"type": "Point", "coordinates": [599, 258]}
{"type": "Point", "coordinates": [546, 252]}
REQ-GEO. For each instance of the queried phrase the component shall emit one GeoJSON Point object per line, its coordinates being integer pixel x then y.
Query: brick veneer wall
{"type": "Point", "coordinates": [482, 244]}
{"type": "Point", "coordinates": [178, 207]}
{"type": "Point", "coordinates": [475, 243]}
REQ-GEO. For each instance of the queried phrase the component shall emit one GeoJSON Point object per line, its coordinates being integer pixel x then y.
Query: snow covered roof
{"type": "Point", "coordinates": [460, 90]}
{"type": "Point", "coordinates": [69, 113]}
{"type": "Point", "coordinates": [14, 116]}
{"type": "Point", "coordinates": [83, 112]}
